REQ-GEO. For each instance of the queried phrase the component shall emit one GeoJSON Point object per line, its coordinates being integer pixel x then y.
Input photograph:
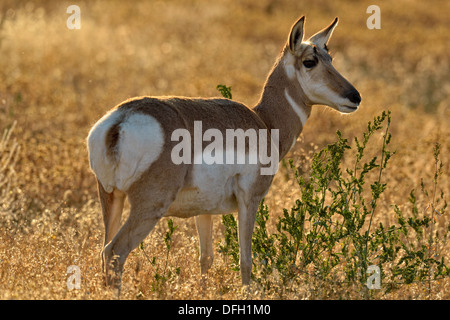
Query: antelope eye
{"type": "Point", "coordinates": [309, 63]}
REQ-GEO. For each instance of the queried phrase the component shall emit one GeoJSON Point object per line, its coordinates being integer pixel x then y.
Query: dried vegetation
{"type": "Point", "coordinates": [55, 83]}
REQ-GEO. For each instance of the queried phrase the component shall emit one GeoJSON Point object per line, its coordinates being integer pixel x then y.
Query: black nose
{"type": "Point", "coordinates": [354, 96]}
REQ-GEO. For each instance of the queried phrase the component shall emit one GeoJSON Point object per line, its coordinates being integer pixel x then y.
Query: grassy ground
{"type": "Point", "coordinates": [55, 83]}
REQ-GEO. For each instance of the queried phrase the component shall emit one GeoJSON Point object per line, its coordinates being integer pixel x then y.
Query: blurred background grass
{"type": "Point", "coordinates": [55, 83]}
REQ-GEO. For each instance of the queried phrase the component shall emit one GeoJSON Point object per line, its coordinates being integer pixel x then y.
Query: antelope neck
{"type": "Point", "coordinates": [283, 104]}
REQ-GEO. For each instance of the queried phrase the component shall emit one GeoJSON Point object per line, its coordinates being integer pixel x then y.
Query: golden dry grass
{"type": "Point", "coordinates": [55, 83]}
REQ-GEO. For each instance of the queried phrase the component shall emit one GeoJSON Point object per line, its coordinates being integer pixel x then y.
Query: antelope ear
{"type": "Point", "coordinates": [321, 38]}
{"type": "Point", "coordinates": [296, 35]}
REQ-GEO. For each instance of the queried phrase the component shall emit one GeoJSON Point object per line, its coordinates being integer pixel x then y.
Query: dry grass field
{"type": "Point", "coordinates": [55, 83]}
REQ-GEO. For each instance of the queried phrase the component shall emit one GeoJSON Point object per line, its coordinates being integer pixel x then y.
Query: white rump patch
{"type": "Point", "coordinates": [140, 143]}
{"type": "Point", "coordinates": [102, 165]}
{"type": "Point", "coordinates": [141, 140]}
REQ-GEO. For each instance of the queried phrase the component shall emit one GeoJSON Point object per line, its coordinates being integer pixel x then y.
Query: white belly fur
{"type": "Point", "coordinates": [212, 191]}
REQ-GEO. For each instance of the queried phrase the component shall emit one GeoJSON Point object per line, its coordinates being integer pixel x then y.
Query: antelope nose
{"type": "Point", "coordinates": [354, 96]}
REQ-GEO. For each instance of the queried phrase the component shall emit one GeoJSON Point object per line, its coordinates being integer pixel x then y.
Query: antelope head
{"type": "Point", "coordinates": [310, 63]}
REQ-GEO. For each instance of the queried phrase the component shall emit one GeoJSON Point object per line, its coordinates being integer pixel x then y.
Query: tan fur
{"type": "Point", "coordinates": [167, 189]}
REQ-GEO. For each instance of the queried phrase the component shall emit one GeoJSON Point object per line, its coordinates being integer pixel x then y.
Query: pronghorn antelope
{"type": "Point", "coordinates": [131, 152]}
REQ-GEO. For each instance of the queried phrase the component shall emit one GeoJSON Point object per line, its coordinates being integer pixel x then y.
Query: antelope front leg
{"type": "Point", "coordinates": [204, 228]}
{"type": "Point", "coordinates": [247, 216]}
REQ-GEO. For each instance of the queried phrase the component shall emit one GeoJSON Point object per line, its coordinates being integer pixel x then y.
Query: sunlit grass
{"type": "Point", "coordinates": [55, 83]}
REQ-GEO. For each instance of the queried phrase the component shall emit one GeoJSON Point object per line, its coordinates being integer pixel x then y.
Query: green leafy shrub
{"type": "Point", "coordinates": [328, 233]}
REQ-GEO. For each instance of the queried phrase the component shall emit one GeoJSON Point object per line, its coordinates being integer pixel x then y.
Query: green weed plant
{"type": "Point", "coordinates": [328, 234]}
